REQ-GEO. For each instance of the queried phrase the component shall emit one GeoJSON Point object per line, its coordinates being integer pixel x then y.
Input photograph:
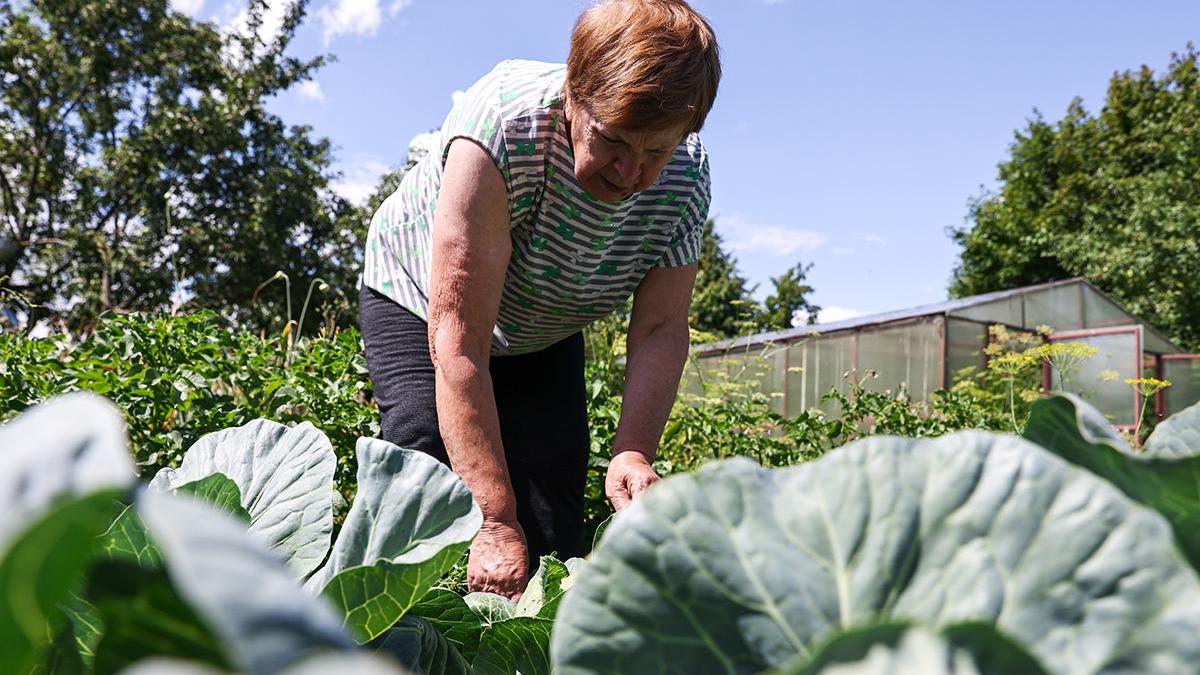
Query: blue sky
{"type": "Point", "coordinates": [846, 134]}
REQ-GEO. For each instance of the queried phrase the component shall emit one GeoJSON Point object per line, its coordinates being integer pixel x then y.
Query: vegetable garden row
{"type": "Point", "coordinates": [1062, 552]}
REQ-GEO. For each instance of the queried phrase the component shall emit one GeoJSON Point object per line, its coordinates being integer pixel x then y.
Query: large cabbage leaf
{"type": "Point", "coordinates": [242, 589]}
{"type": "Point", "coordinates": [412, 519]}
{"type": "Point", "coordinates": [61, 465]}
{"type": "Point", "coordinates": [737, 568]}
{"type": "Point", "coordinates": [897, 649]}
{"type": "Point", "coordinates": [1165, 477]}
{"type": "Point", "coordinates": [1176, 437]}
{"type": "Point", "coordinates": [285, 477]}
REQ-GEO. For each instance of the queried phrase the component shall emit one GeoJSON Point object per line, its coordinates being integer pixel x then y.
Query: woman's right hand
{"type": "Point", "coordinates": [498, 562]}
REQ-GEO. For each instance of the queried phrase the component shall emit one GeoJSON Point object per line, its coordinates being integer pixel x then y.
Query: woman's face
{"type": "Point", "coordinates": [613, 163]}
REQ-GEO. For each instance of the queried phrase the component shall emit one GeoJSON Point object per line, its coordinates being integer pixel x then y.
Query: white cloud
{"type": "Point", "coordinates": [311, 90]}
{"type": "Point", "coordinates": [351, 17]}
{"type": "Point", "coordinates": [268, 30]}
{"type": "Point", "coordinates": [742, 235]}
{"type": "Point", "coordinates": [360, 177]}
{"type": "Point", "coordinates": [190, 7]}
{"type": "Point", "coordinates": [398, 6]}
{"type": "Point", "coordinates": [834, 313]}
{"type": "Point", "coordinates": [874, 239]}
{"type": "Point", "coordinates": [422, 144]}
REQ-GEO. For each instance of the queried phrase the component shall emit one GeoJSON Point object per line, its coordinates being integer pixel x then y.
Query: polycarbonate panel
{"type": "Point", "coordinates": [818, 364]}
{"type": "Point", "coordinates": [1006, 311]}
{"type": "Point", "coordinates": [903, 357]}
{"type": "Point", "coordinates": [1100, 312]}
{"type": "Point", "coordinates": [1184, 376]}
{"type": "Point", "coordinates": [760, 368]}
{"type": "Point", "coordinates": [1060, 307]}
{"type": "Point", "coordinates": [965, 341]}
{"type": "Point", "coordinates": [1110, 395]}
{"type": "Point", "coordinates": [799, 388]}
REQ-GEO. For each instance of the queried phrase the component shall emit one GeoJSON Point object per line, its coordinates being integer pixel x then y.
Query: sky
{"type": "Point", "coordinates": [846, 135]}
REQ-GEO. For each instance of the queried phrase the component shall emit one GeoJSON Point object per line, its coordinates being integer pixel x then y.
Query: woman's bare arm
{"type": "Point", "coordinates": [471, 249]}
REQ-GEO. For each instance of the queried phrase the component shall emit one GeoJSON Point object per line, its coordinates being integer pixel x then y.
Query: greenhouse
{"type": "Point", "coordinates": [924, 349]}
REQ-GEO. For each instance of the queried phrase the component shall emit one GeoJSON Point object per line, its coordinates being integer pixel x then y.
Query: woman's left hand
{"type": "Point", "coordinates": [629, 475]}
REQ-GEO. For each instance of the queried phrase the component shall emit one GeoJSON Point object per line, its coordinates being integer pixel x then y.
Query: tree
{"type": "Point", "coordinates": [138, 162]}
{"type": "Point", "coordinates": [789, 305]}
{"type": "Point", "coordinates": [721, 301]}
{"type": "Point", "coordinates": [1113, 197]}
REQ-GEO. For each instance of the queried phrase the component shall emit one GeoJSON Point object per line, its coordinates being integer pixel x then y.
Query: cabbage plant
{"type": "Point", "coordinates": [228, 563]}
{"type": "Point", "coordinates": [737, 568]}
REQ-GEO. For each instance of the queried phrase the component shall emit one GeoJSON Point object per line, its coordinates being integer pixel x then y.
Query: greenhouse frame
{"type": "Point", "coordinates": [920, 350]}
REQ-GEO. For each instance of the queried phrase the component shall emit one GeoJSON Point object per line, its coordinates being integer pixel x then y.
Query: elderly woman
{"type": "Point", "coordinates": [555, 194]}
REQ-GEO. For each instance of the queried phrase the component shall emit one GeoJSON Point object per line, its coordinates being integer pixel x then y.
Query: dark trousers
{"type": "Point", "coordinates": [541, 402]}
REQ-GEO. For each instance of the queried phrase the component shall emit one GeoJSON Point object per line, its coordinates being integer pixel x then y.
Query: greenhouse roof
{"type": "Point", "coordinates": [1155, 340]}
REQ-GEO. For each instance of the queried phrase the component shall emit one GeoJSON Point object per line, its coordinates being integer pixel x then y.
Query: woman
{"type": "Point", "coordinates": [555, 193]}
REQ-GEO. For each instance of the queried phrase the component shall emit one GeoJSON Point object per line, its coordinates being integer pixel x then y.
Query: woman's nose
{"type": "Point", "coordinates": [629, 167]}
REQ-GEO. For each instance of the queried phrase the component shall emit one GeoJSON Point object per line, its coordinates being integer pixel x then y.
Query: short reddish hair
{"type": "Point", "coordinates": [644, 64]}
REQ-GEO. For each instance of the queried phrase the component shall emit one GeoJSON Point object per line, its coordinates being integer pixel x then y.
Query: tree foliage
{"type": "Point", "coordinates": [789, 302]}
{"type": "Point", "coordinates": [138, 163]}
{"type": "Point", "coordinates": [721, 301]}
{"type": "Point", "coordinates": [1113, 197]}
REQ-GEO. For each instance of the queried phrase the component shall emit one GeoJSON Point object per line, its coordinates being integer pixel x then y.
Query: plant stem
{"type": "Point", "coordinates": [304, 308]}
{"type": "Point", "coordinates": [1012, 406]}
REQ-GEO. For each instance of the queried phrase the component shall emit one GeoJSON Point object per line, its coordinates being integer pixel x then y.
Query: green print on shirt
{"type": "Point", "coordinates": [563, 191]}
{"type": "Point", "coordinates": [538, 244]}
{"type": "Point", "coordinates": [488, 129]}
{"type": "Point", "coordinates": [510, 328]}
{"type": "Point", "coordinates": [554, 123]}
{"type": "Point", "coordinates": [645, 246]}
{"type": "Point", "coordinates": [525, 201]}
{"type": "Point", "coordinates": [526, 148]}
{"type": "Point", "coordinates": [580, 279]}
{"type": "Point", "coordinates": [565, 231]}
{"type": "Point", "coordinates": [551, 274]}
{"type": "Point", "coordinates": [692, 172]}
{"type": "Point", "coordinates": [606, 268]}
{"type": "Point", "coordinates": [507, 96]}
{"type": "Point", "coordinates": [525, 302]}
{"type": "Point", "coordinates": [571, 211]}
{"type": "Point", "coordinates": [601, 243]}
{"type": "Point", "coordinates": [667, 199]}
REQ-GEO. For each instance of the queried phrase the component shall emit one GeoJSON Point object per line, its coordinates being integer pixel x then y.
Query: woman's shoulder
{"type": "Point", "coordinates": [516, 87]}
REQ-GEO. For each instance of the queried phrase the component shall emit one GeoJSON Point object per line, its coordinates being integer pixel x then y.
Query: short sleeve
{"type": "Point", "coordinates": [477, 116]}
{"type": "Point", "coordinates": [684, 247]}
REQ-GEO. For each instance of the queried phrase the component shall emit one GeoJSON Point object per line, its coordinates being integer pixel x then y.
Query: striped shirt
{"type": "Point", "coordinates": [574, 258]}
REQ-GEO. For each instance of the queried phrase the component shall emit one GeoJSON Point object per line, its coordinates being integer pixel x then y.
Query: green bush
{"type": "Point", "coordinates": [177, 378]}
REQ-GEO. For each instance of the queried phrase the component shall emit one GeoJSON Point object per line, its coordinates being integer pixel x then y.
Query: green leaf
{"type": "Point", "coordinates": [544, 589]}
{"type": "Point", "coordinates": [490, 607]}
{"type": "Point", "coordinates": [70, 445]}
{"type": "Point", "coordinates": [38, 571]}
{"type": "Point", "coordinates": [898, 649]}
{"type": "Point", "coordinates": [143, 616]}
{"type": "Point", "coordinates": [737, 568]}
{"type": "Point", "coordinates": [412, 519]}
{"type": "Point", "coordinates": [517, 645]}
{"type": "Point", "coordinates": [220, 492]}
{"type": "Point", "coordinates": [126, 539]}
{"type": "Point", "coordinates": [449, 614]}
{"type": "Point", "coordinates": [285, 478]}
{"type": "Point", "coordinates": [1168, 483]}
{"type": "Point", "coordinates": [242, 590]}
{"type": "Point", "coordinates": [1177, 437]}
{"type": "Point", "coordinates": [419, 646]}
{"type": "Point", "coordinates": [86, 627]}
